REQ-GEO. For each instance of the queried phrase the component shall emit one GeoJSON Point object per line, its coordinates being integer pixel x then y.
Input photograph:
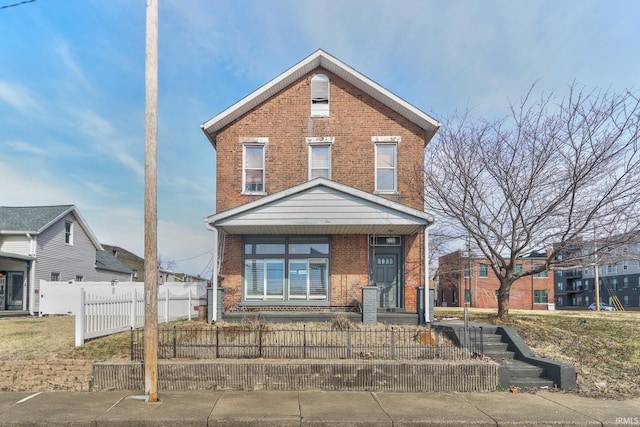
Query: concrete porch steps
{"type": "Point", "coordinates": [518, 373]}
{"type": "Point", "coordinates": [516, 364]}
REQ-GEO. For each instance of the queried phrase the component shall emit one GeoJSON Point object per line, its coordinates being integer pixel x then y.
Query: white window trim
{"type": "Point", "coordinates": [70, 242]}
{"type": "Point", "coordinates": [254, 142]}
{"type": "Point", "coordinates": [325, 141]}
{"type": "Point", "coordinates": [385, 140]}
{"type": "Point", "coordinates": [308, 296]}
{"type": "Point", "coordinates": [265, 290]}
{"type": "Point", "coordinates": [320, 109]}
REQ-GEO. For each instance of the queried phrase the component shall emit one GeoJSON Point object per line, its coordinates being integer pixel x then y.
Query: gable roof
{"type": "Point", "coordinates": [321, 59]}
{"type": "Point", "coordinates": [106, 261]}
{"type": "Point", "coordinates": [30, 219]}
{"type": "Point", "coordinates": [321, 206]}
{"type": "Point", "coordinates": [36, 219]}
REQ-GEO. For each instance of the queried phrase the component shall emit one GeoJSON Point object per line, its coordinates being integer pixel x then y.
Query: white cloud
{"type": "Point", "coordinates": [19, 98]}
{"type": "Point", "coordinates": [105, 139]}
{"type": "Point", "coordinates": [26, 147]}
{"type": "Point", "coordinates": [73, 71]}
{"type": "Point", "coordinates": [32, 187]}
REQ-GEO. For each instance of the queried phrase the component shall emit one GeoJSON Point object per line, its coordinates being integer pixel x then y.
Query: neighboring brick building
{"type": "Point", "coordinates": [131, 260]}
{"type": "Point", "coordinates": [319, 192]}
{"type": "Point", "coordinates": [461, 281]}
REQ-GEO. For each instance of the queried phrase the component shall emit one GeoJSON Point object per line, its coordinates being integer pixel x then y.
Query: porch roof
{"type": "Point", "coordinates": [16, 257]}
{"type": "Point", "coordinates": [321, 206]}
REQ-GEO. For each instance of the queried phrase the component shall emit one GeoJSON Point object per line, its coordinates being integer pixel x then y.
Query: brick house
{"type": "Point", "coordinates": [472, 282]}
{"type": "Point", "coordinates": [318, 193]}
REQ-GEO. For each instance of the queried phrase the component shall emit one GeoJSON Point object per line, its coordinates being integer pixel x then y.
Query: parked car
{"type": "Point", "coordinates": [603, 306]}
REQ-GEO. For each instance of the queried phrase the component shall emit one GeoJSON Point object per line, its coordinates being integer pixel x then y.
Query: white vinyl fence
{"type": "Point", "coordinates": [103, 308]}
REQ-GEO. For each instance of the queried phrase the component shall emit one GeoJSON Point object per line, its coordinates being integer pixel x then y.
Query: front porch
{"type": "Point", "coordinates": [311, 251]}
{"type": "Point", "coordinates": [321, 316]}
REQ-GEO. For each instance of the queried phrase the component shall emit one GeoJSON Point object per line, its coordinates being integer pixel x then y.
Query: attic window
{"type": "Point", "coordinates": [68, 232]}
{"type": "Point", "coordinates": [320, 96]}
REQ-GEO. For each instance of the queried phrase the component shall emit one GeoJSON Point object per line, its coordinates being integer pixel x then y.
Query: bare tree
{"type": "Point", "coordinates": [166, 263]}
{"type": "Point", "coordinates": [549, 176]}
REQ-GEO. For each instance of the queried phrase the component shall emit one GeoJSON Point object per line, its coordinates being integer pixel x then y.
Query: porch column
{"type": "Point", "coordinates": [213, 315]}
{"type": "Point", "coordinates": [427, 293]}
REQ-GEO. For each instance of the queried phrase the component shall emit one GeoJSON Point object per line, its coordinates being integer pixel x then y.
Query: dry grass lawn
{"type": "Point", "coordinates": [53, 337]}
{"type": "Point", "coordinates": [604, 348]}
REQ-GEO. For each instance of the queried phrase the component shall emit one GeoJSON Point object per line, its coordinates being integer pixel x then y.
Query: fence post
{"type": "Point", "coordinates": [348, 343]}
{"type": "Point", "coordinates": [393, 345]}
{"type": "Point", "coordinates": [304, 341]}
{"type": "Point", "coordinates": [217, 342]}
{"type": "Point", "coordinates": [175, 338]}
{"type": "Point", "coordinates": [80, 320]}
{"type": "Point", "coordinates": [166, 306]}
{"type": "Point", "coordinates": [132, 309]}
{"type": "Point", "coordinates": [189, 308]}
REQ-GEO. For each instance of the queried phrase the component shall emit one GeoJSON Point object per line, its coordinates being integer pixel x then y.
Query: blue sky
{"type": "Point", "coordinates": [72, 86]}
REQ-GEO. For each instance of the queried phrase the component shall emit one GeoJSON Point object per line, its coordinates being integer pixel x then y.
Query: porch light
{"type": "Point", "coordinates": [391, 240]}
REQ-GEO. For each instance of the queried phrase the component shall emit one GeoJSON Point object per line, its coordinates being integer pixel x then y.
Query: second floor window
{"type": "Point", "coordinates": [253, 168]}
{"type": "Point", "coordinates": [386, 167]}
{"type": "Point", "coordinates": [320, 157]}
{"type": "Point", "coordinates": [543, 273]}
{"type": "Point", "coordinates": [484, 270]}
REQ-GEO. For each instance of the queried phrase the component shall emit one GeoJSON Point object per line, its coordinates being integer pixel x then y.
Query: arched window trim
{"type": "Point", "coordinates": [320, 96]}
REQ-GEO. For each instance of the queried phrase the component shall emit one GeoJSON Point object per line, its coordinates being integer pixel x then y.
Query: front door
{"type": "Point", "coordinates": [386, 278]}
{"type": "Point", "coordinates": [15, 290]}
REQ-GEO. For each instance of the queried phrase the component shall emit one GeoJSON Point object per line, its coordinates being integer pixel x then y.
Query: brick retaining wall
{"type": "Point", "coordinates": [46, 375]}
{"type": "Point", "coordinates": [303, 375]}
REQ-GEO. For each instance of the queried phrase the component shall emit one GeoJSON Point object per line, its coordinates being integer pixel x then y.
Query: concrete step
{"type": "Point", "coordinates": [489, 338]}
{"type": "Point", "coordinates": [495, 346]}
{"type": "Point", "coordinates": [523, 370]}
{"type": "Point", "coordinates": [499, 355]}
{"type": "Point", "coordinates": [532, 382]}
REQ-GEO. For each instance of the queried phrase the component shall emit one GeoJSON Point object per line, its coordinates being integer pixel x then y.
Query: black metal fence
{"type": "Point", "coordinates": [238, 342]}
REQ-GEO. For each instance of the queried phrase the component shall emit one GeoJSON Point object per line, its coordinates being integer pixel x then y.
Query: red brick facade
{"type": "Point", "coordinates": [285, 119]}
{"type": "Point", "coordinates": [453, 281]}
{"type": "Point", "coordinates": [354, 119]}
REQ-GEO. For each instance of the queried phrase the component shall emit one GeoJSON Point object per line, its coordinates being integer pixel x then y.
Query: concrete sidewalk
{"type": "Point", "coordinates": [314, 408]}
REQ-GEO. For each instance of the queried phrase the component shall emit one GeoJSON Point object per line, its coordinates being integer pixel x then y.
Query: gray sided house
{"type": "Point", "coordinates": [48, 243]}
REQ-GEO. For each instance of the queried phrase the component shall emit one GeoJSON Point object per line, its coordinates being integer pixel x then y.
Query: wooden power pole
{"type": "Point", "coordinates": [151, 205]}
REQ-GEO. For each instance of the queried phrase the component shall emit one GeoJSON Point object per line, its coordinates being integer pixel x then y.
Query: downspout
{"type": "Point", "coordinates": [30, 280]}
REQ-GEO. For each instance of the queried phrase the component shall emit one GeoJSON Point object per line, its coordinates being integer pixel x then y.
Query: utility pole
{"type": "Point", "coordinates": [151, 205]}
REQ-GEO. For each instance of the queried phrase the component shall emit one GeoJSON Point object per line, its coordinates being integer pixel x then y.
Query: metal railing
{"type": "Point", "coordinates": [238, 342]}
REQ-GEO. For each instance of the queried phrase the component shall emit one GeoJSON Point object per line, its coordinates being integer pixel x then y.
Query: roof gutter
{"type": "Point", "coordinates": [211, 138]}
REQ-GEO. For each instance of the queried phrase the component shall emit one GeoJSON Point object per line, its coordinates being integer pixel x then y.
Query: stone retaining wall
{"type": "Point", "coordinates": [303, 375]}
{"type": "Point", "coordinates": [46, 375]}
